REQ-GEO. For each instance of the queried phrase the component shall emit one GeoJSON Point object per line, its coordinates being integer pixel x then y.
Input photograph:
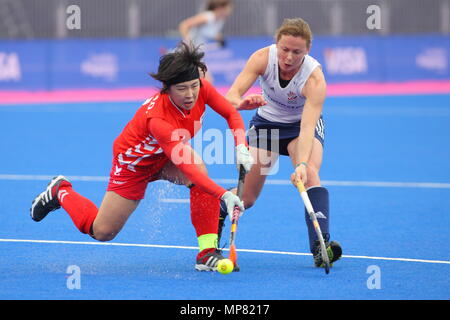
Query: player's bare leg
{"type": "Point", "coordinates": [255, 179]}
{"type": "Point", "coordinates": [314, 163]}
{"type": "Point", "coordinates": [112, 216]}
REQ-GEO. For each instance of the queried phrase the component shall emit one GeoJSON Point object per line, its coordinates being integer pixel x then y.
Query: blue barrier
{"type": "Point", "coordinates": [24, 65]}
{"type": "Point", "coordinates": [115, 63]}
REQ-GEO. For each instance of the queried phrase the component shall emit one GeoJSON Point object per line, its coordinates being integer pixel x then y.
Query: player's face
{"type": "Point", "coordinates": [291, 51]}
{"type": "Point", "coordinates": [226, 12]}
{"type": "Point", "coordinates": [185, 94]}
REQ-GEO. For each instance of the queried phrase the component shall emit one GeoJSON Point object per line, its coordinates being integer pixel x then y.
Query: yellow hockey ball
{"type": "Point", "coordinates": [225, 266]}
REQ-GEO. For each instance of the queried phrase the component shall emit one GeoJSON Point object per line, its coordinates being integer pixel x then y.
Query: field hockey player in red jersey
{"type": "Point", "coordinates": [154, 146]}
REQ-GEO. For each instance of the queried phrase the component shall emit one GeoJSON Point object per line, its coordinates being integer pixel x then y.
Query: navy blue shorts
{"type": "Point", "coordinates": [275, 136]}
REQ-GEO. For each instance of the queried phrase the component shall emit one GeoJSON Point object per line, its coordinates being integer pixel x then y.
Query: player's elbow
{"type": "Point", "coordinates": [183, 29]}
{"type": "Point", "coordinates": [202, 168]}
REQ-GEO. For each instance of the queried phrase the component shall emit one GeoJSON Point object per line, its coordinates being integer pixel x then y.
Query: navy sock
{"type": "Point", "coordinates": [223, 207]}
{"type": "Point", "coordinates": [223, 213]}
{"type": "Point", "coordinates": [223, 210]}
{"type": "Point", "coordinates": [320, 202]}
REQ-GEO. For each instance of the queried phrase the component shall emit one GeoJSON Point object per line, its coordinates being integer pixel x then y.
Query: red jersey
{"type": "Point", "coordinates": [160, 129]}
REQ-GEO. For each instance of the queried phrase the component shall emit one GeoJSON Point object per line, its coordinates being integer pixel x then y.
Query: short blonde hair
{"type": "Point", "coordinates": [295, 27]}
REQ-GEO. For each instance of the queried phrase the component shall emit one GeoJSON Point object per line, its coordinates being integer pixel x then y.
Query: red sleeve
{"type": "Point", "coordinates": [221, 105]}
{"type": "Point", "coordinates": [180, 154]}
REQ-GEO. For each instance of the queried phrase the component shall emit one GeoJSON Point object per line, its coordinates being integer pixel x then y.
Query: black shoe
{"type": "Point", "coordinates": [334, 252]}
{"type": "Point", "coordinates": [208, 259]}
{"type": "Point", "coordinates": [47, 201]}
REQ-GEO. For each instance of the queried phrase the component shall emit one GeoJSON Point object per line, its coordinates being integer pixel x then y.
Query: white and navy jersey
{"type": "Point", "coordinates": [208, 31]}
{"type": "Point", "coordinates": [284, 105]}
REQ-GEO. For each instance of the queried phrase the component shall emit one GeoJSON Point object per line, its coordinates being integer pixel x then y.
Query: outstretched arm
{"type": "Point", "coordinates": [315, 92]}
{"type": "Point", "coordinates": [180, 154]}
{"type": "Point", "coordinates": [256, 65]}
{"type": "Point", "coordinates": [191, 22]}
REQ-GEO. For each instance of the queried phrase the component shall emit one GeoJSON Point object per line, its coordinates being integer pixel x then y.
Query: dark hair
{"type": "Point", "coordinates": [181, 61]}
{"type": "Point", "coordinates": [214, 4]}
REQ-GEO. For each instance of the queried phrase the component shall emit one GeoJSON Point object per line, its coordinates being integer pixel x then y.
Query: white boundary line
{"type": "Point", "coordinates": [115, 244]}
{"type": "Point", "coordinates": [171, 200]}
{"type": "Point", "coordinates": [385, 184]}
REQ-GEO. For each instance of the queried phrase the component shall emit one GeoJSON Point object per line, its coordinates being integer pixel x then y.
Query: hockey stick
{"type": "Point", "coordinates": [235, 218]}
{"type": "Point", "coordinates": [312, 216]}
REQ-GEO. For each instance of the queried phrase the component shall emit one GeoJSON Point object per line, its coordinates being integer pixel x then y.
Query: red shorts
{"type": "Point", "coordinates": [132, 184]}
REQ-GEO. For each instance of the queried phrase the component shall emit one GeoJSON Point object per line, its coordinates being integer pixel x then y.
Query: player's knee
{"type": "Point", "coordinates": [104, 234]}
{"type": "Point", "coordinates": [248, 203]}
{"type": "Point", "coordinates": [203, 169]}
{"type": "Point", "coordinates": [104, 237]}
{"type": "Point", "coordinates": [313, 176]}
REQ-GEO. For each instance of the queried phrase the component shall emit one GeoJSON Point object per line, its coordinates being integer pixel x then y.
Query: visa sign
{"type": "Point", "coordinates": [345, 60]}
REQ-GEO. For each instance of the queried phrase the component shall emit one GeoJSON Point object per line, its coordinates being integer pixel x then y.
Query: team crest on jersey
{"type": "Point", "coordinates": [292, 97]}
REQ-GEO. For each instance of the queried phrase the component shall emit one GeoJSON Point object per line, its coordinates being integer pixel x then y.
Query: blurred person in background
{"type": "Point", "coordinates": [205, 28]}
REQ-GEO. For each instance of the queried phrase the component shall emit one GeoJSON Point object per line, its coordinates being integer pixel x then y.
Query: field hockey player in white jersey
{"type": "Point", "coordinates": [205, 28]}
{"type": "Point", "coordinates": [288, 121]}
